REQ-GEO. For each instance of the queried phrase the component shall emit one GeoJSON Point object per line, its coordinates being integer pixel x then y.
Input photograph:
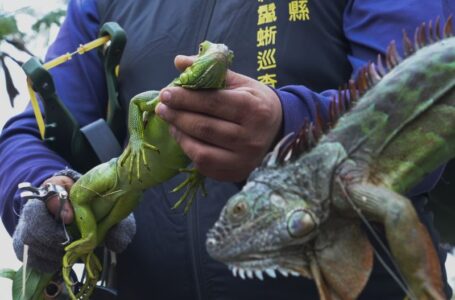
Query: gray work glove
{"type": "Point", "coordinates": [46, 237]}
{"type": "Point", "coordinates": [121, 234]}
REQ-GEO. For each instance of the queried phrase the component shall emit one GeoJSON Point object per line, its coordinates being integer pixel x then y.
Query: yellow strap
{"type": "Point", "coordinates": [36, 109]}
{"type": "Point", "coordinates": [53, 63]}
{"type": "Point", "coordinates": [81, 50]}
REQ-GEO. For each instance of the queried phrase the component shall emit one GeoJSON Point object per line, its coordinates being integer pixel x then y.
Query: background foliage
{"type": "Point", "coordinates": [12, 35]}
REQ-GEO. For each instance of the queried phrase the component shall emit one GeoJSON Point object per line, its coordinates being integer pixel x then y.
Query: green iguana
{"type": "Point", "coordinates": [110, 191]}
{"type": "Point", "coordinates": [302, 210]}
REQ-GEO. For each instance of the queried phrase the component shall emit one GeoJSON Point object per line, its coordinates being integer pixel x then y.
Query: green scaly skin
{"type": "Point", "coordinates": [304, 215]}
{"type": "Point", "coordinates": [110, 191]}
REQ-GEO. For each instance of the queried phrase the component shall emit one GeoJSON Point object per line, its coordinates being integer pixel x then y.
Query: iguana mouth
{"type": "Point", "coordinates": [285, 261]}
{"type": "Point", "coordinates": [251, 273]}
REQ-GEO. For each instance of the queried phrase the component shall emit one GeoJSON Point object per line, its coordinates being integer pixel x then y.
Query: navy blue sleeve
{"type": "Point", "coordinates": [79, 83]}
{"type": "Point", "coordinates": [369, 26]}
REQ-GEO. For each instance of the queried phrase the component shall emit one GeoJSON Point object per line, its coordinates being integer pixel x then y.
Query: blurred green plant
{"type": "Point", "coordinates": [49, 19]}
{"type": "Point", "coordinates": [11, 34]}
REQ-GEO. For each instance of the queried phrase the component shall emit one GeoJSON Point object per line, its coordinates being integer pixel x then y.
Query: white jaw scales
{"type": "Point", "coordinates": [251, 273]}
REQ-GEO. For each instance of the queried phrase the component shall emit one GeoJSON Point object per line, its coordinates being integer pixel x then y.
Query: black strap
{"type": "Point", "coordinates": [103, 141]}
{"type": "Point", "coordinates": [63, 133]}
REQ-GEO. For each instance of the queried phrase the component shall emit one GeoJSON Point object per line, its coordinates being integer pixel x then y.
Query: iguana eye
{"type": "Point", "coordinates": [300, 223]}
{"type": "Point", "coordinates": [203, 47]}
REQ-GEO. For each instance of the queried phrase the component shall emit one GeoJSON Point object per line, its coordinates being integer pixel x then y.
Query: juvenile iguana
{"type": "Point", "coordinates": [110, 191]}
{"type": "Point", "coordinates": [301, 210]}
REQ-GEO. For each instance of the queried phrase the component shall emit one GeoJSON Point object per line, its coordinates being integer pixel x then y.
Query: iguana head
{"type": "Point", "coordinates": [269, 225]}
{"type": "Point", "coordinates": [209, 68]}
{"type": "Point", "coordinates": [263, 228]}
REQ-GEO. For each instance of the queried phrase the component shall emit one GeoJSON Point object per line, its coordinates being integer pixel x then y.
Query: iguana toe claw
{"type": "Point", "coordinates": [144, 158]}
{"type": "Point", "coordinates": [192, 183]}
{"type": "Point", "coordinates": [151, 147]}
{"type": "Point", "coordinates": [125, 156]}
{"type": "Point", "coordinates": [135, 153]}
{"type": "Point", "coordinates": [82, 246]}
{"type": "Point", "coordinates": [93, 268]}
{"type": "Point", "coordinates": [138, 170]}
{"type": "Point", "coordinates": [92, 265]}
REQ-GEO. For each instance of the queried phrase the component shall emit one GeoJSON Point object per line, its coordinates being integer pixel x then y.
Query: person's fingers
{"type": "Point", "coordinates": [66, 212]}
{"type": "Point", "coordinates": [181, 62]}
{"type": "Point", "coordinates": [228, 164]}
{"type": "Point", "coordinates": [229, 105]}
{"type": "Point", "coordinates": [210, 130]}
{"type": "Point", "coordinates": [226, 132]}
{"type": "Point", "coordinates": [54, 204]}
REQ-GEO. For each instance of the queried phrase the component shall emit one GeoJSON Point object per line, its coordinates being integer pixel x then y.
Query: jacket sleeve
{"type": "Point", "coordinates": [369, 26]}
{"type": "Point", "coordinates": [81, 86]}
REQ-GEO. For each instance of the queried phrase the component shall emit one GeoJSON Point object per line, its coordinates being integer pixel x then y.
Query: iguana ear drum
{"type": "Point", "coordinates": [238, 211]}
{"type": "Point", "coordinates": [300, 223]}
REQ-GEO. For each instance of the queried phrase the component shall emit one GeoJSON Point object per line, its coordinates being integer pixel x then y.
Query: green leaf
{"type": "Point", "coordinates": [35, 282]}
{"type": "Point", "coordinates": [48, 19]}
{"type": "Point", "coordinates": [10, 88]}
{"type": "Point", "coordinates": [8, 26]}
{"type": "Point", "coordinates": [7, 273]}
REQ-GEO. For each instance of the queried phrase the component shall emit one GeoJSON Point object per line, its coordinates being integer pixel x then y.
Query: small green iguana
{"type": "Point", "coordinates": [110, 191]}
{"type": "Point", "coordinates": [302, 210]}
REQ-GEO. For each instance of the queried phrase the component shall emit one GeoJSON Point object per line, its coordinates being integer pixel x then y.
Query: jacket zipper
{"type": "Point", "coordinates": [194, 249]}
{"type": "Point", "coordinates": [193, 222]}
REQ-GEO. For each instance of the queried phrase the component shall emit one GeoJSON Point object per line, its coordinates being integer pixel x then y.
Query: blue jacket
{"type": "Point", "coordinates": [317, 48]}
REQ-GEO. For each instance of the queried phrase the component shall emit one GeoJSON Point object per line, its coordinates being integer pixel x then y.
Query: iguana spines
{"type": "Point", "coordinates": [367, 77]}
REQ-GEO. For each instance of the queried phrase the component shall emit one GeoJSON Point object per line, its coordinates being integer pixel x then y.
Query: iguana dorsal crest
{"type": "Point", "coordinates": [294, 145]}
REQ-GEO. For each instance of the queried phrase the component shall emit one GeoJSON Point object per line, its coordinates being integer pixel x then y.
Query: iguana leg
{"type": "Point", "coordinates": [125, 204]}
{"type": "Point", "coordinates": [193, 183]}
{"type": "Point", "coordinates": [91, 187]}
{"type": "Point", "coordinates": [408, 239]}
{"type": "Point", "coordinates": [140, 107]}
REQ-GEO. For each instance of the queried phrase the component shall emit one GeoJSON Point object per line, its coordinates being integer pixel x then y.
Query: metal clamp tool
{"type": "Point", "coordinates": [43, 193]}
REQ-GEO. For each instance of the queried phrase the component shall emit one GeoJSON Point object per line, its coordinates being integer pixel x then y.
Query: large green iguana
{"type": "Point", "coordinates": [110, 191]}
{"type": "Point", "coordinates": [302, 210]}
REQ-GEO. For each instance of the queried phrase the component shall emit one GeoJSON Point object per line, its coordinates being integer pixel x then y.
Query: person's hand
{"type": "Point", "coordinates": [45, 237]}
{"type": "Point", "coordinates": [38, 228]}
{"type": "Point", "coordinates": [226, 133]}
{"type": "Point", "coordinates": [117, 238]}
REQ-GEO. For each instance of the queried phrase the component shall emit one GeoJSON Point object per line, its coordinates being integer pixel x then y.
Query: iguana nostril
{"type": "Point", "coordinates": [211, 244]}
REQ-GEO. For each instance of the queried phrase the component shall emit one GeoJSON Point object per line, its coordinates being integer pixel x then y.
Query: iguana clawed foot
{"type": "Point", "coordinates": [93, 268]}
{"type": "Point", "coordinates": [82, 249]}
{"type": "Point", "coordinates": [194, 181]}
{"type": "Point", "coordinates": [134, 154]}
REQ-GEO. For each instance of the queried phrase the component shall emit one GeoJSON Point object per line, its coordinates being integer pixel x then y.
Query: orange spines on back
{"type": "Point", "coordinates": [293, 146]}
